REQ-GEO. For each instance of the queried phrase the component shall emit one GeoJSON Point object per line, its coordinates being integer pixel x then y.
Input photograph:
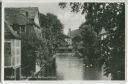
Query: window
{"type": "Point", "coordinates": [12, 53]}
{"type": "Point", "coordinates": [17, 53]}
{"type": "Point", "coordinates": [15, 27]}
{"type": "Point", "coordinates": [22, 28]}
{"type": "Point", "coordinates": [7, 53]}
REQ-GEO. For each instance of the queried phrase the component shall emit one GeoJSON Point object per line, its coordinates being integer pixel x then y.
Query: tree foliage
{"type": "Point", "coordinates": [89, 38]}
{"type": "Point", "coordinates": [52, 36]}
{"type": "Point", "coordinates": [111, 17]}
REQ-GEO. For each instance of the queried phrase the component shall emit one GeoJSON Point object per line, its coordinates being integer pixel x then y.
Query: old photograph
{"type": "Point", "coordinates": [64, 41]}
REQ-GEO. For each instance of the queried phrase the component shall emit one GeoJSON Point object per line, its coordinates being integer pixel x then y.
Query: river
{"type": "Point", "coordinates": [69, 67]}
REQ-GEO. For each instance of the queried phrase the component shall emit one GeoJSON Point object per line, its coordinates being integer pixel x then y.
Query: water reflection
{"type": "Point", "coordinates": [69, 67]}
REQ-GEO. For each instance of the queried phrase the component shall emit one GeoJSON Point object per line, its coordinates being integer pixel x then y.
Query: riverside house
{"type": "Point", "coordinates": [22, 38]}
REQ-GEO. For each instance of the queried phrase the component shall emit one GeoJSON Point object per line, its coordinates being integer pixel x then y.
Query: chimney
{"type": "Point", "coordinates": [69, 32]}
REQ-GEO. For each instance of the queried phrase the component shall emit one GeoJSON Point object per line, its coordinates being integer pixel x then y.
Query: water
{"type": "Point", "coordinates": [69, 67]}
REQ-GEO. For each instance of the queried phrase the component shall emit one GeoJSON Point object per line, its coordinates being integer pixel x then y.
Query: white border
{"type": "Point", "coordinates": [65, 1]}
{"type": "Point", "coordinates": [2, 46]}
{"type": "Point", "coordinates": [1, 43]}
{"type": "Point", "coordinates": [63, 81]}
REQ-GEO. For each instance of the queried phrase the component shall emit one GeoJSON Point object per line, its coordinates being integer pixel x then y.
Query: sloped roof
{"type": "Point", "coordinates": [20, 16]}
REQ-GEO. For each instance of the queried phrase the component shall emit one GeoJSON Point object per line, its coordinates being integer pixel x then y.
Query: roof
{"type": "Point", "coordinates": [20, 16]}
{"type": "Point", "coordinates": [75, 33]}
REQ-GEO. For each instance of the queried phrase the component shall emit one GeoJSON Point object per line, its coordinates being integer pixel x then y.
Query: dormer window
{"type": "Point", "coordinates": [18, 28]}
{"type": "Point", "coordinates": [15, 27]}
{"type": "Point", "coordinates": [22, 28]}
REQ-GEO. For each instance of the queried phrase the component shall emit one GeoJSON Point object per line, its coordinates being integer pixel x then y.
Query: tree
{"type": "Point", "coordinates": [52, 30]}
{"type": "Point", "coordinates": [89, 38]}
{"type": "Point", "coordinates": [52, 36]}
{"type": "Point", "coordinates": [111, 17]}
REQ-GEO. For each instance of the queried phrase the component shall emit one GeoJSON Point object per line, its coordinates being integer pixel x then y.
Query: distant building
{"type": "Point", "coordinates": [73, 33]}
{"type": "Point", "coordinates": [75, 38]}
{"type": "Point", "coordinates": [68, 38]}
{"type": "Point", "coordinates": [25, 23]}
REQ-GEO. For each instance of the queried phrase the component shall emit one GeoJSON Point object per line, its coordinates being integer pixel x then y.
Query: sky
{"type": "Point", "coordinates": [69, 19]}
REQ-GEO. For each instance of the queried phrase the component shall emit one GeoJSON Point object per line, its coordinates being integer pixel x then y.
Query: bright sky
{"type": "Point", "coordinates": [67, 18]}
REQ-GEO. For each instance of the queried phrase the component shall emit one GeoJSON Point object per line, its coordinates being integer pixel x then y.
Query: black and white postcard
{"type": "Point", "coordinates": [64, 41]}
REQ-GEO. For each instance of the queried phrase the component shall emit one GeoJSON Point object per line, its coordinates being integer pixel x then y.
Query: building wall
{"type": "Point", "coordinates": [36, 20]}
{"type": "Point", "coordinates": [29, 38]}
